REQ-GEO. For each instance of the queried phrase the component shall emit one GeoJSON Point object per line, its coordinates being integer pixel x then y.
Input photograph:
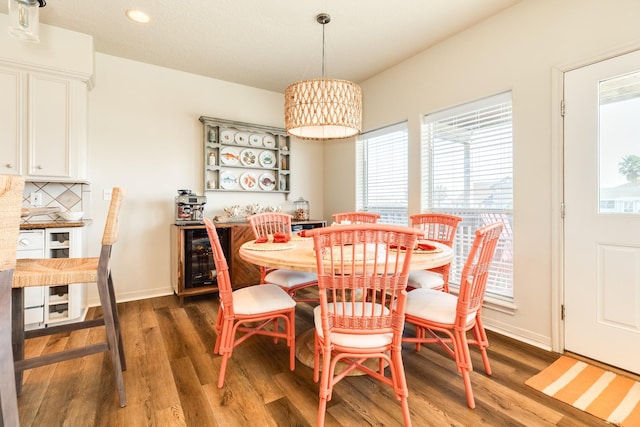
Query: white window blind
{"type": "Point", "coordinates": [381, 173]}
{"type": "Point", "coordinates": [468, 171]}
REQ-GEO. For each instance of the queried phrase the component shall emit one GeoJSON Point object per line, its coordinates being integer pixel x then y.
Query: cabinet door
{"type": "Point", "coordinates": [11, 124]}
{"type": "Point", "coordinates": [49, 131]}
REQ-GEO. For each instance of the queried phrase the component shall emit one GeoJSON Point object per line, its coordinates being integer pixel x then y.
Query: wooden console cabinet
{"type": "Point", "coordinates": [232, 236]}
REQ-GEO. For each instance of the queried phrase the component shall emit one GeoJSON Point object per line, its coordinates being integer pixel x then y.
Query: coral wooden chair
{"type": "Point", "coordinates": [65, 271]}
{"type": "Point", "coordinates": [11, 188]}
{"type": "Point", "coordinates": [445, 319]}
{"type": "Point", "coordinates": [440, 228]}
{"type": "Point", "coordinates": [270, 223]}
{"type": "Point", "coordinates": [362, 285]}
{"type": "Point", "coordinates": [248, 310]}
{"type": "Point", "coordinates": [356, 218]}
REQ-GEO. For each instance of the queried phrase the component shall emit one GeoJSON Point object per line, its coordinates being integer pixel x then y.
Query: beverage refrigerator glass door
{"type": "Point", "coordinates": [199, 267]}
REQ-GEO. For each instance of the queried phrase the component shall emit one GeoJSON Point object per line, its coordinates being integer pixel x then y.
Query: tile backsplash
{"type": "Point", "coordinates": [74, 197]}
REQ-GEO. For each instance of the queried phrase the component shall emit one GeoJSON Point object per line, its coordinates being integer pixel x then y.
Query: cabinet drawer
{"type": "Point", "coordinates": [31, 244]}
{"type": "Point", "coordinates": [58, 294]}
{"type": "Point", "coordinates": [33, 297]}
{"type": "Point", "coordinates": [58, 311]}
{"type": "Point", "coordinates": [34, 315]}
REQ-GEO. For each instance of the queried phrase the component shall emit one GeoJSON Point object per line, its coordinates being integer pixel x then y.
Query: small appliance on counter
{"type": "Point", "coordinates": [189, 207]}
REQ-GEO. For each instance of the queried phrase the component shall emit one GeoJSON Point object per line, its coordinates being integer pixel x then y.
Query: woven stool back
{"type": "Point", "coordinates": [11, 187]}
{"type": "Point", "coordinates": [110, 235]}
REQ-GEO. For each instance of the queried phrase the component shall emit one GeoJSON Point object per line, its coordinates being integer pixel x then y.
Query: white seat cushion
{"type": "Point", "coordinates": [353, 340]}
{"type": "Point", "coordinates": [288, 278]}
{"type": "Point", "coordinates": [436, 306]}
{"type": "Point", "coordinates": [424, 279]}
{"type": "Point", "coordinates": [261, 299]}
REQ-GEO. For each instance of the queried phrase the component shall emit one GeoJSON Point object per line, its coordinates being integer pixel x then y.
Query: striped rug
{"type": "Point", "coordinates": [612, 397]}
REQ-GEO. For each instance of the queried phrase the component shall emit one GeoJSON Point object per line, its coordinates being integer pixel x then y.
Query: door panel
{"type": "Point", "coordinates": [602, 221]}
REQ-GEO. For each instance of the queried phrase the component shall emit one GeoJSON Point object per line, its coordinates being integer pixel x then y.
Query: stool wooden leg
{"type": "Point", "coordinates": [17, 332]}
{"type": "Point", "coordinates": [8, 397]}
{"type": "Point", "coordinates": [116, 319]}
{"type": "Point", "coordinates": [112, 334]}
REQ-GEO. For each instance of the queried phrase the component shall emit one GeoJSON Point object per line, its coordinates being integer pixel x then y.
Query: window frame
{"type": "Point", "coordinates": [500, 106]}
{"type": "Point", "coordinates": [396, 208]}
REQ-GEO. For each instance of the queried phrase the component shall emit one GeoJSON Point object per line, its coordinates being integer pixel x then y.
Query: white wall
{"type": "Point", "coordinates": [515, 50]}
{"type": "Point", "coordinates": [145, 136]}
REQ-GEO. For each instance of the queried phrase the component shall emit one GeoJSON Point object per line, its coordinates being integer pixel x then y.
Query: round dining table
{"type": "Point", "coordinates": [298, 255]}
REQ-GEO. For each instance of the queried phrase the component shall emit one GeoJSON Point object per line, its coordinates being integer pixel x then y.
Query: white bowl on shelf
{"type": "Point", "coordinates": [71, 216]}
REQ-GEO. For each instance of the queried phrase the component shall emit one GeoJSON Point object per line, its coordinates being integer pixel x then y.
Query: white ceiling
{"type": "Point", "coordinates": [269, 44]}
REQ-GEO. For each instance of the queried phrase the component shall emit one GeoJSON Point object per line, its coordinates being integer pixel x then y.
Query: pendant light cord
{"type": "Point", "coordinates": [323, 24]}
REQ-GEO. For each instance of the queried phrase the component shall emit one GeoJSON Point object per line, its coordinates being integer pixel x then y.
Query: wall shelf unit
{"type": "Point", "coordinates": [245, 157]}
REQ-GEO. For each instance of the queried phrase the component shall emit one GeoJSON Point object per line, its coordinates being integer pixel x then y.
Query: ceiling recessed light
{"type": "Point", "coordinates": [138, 16]}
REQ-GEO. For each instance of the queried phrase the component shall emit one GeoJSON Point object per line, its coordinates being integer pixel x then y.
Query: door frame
{"type": "Point", "coordinates": [557, 186]}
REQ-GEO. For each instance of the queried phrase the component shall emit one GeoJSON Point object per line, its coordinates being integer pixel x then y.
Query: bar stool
{"type": "Point", "coordinates": [11, 188]}
{"type": "Point", "coordinates": [65, 271]}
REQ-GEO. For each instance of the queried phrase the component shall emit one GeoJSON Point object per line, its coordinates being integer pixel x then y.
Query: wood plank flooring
{"type": "Point", "coordinates": [171, 381]}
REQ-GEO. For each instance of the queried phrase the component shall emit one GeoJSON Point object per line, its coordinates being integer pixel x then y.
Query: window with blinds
{"type": "Point", "coordinates": [467, 157]}
{"type": "Point", "coordinates": [382, 175]}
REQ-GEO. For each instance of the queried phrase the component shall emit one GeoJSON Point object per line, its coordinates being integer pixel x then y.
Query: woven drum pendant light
{"type": "Point", "coordinates": [323, 108]}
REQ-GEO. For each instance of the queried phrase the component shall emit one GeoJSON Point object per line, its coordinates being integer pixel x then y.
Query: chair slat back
{"type": "Point", "coordinates": [11, 187]}
{"type": "Point", "coordinates": [362, 277]}
{"type": "Point", "coordinates": [473, 282]}
{"type": "Point", "coordinates": [110, 235]}
{"type": "Point", "coordinates": [269, 223]}
{"type": "Point", "coordinates": [438, 227]}
{"type": "Point", "coordinates": [223, 278]}
{"type": "Point", "coordinates": [356, 217]}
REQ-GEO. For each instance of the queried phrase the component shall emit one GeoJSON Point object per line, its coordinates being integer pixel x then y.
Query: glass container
{"type": "Point", "coordinates": [301, 210]}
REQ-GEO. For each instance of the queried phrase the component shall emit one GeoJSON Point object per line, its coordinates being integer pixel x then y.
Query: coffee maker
{"type": "Point", "coordinates": [189, 207]}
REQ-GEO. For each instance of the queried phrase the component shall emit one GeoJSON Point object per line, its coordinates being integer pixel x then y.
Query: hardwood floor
{"type": "Point", "coordinates": [171, 381]}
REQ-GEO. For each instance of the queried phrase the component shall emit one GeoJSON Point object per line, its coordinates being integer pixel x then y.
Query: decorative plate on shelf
{"type": "Point", "coordinates": [269, 141]}
{"type": "Point", "coordinates": [267, 159]}
{"type": "Point", "coordinates": [248, 181]}
{"type": "Point", "coordinates": [255, 140]}
{"type": "Point", "coordinates": [227, 136]}
{"type": "Point", "coordinates": [228, 180]}
{"type": "Point", "coordinates": [230, 156]}
{"type": "Point", "coordinates": [248, 157]}
{"type": "Point", "coordinates": [242, 138]}
{"type": "Point", "coordinates": [267, 181]}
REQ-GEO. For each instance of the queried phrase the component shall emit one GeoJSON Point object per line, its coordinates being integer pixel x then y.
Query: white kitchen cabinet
{"type": "Point", "coordinates": [11, 116]}
{"type": "Point", "coordinates": [48, 305]}
{"type": "Point", "coordinates": [31, 245]}
{"type": "Point", "coordinates": [44, 125]}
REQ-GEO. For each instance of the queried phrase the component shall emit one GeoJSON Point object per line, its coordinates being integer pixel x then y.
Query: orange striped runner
{"type": "Point", "coordinates": [612, 397]}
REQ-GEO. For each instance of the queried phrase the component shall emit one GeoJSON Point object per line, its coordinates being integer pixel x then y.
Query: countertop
{"type": "Point", "coordinates": [32, 225]}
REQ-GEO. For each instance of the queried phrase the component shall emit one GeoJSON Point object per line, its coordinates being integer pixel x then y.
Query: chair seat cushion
{"type": "Point", "coordinates": [424, 279]}
{"type": "Point", "coordinates": [434, 306]}
{"type": "Point", "coordinates": [289, 279]}
{"type": "Point", "coordinates": [261, 299]}
{"type": "Point", "coordinates": [353, 340]}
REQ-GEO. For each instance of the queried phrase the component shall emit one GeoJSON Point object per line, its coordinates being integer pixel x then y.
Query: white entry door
{"type": "Point", "coordinates": [602, 211]}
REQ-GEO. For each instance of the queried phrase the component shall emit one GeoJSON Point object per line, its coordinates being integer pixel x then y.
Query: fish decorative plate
{"type": "Point", "coordinates": [269, 141]}
{"type": "Point", "coordinates": [267, 181]}
{"type": "Point", "coordinates": [228, 180]}
{"type": "Point", "coordinates": [230, 156]}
